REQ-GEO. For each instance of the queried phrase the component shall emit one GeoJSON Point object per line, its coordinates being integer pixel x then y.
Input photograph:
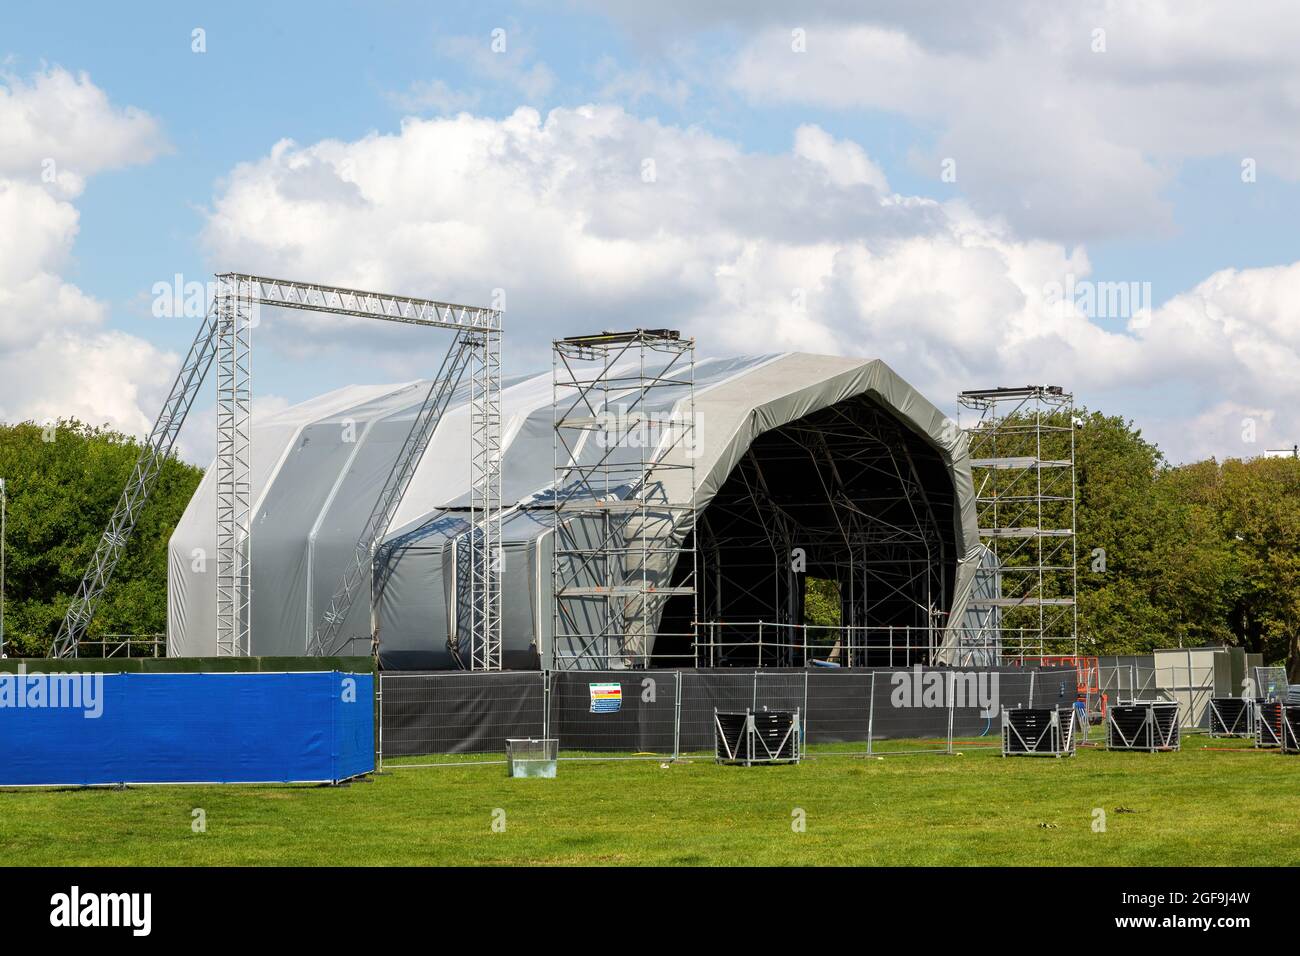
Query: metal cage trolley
{"type": "Point", "coordinates": [768, 736]}
{"type": "Point", "coordinates": [1041, 731]}
{"type": "Point", "coordinates": [1150, 726]}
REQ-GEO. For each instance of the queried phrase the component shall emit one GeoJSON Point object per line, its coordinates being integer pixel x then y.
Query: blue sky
{"type": "Point", "coordinates": [339, 71]}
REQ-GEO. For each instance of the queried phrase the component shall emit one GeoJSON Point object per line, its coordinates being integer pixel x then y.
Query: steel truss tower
{"type": "Point", "coordinates": [485, 502]}
{"type": "Point", "coordinates": [624, 508]}
{"type": "Point", "coordinates": [1022, 461]}
{"type": "Point", "coordinates": [234, 480]}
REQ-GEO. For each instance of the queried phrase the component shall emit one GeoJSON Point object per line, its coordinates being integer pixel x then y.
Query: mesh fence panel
{"type": "Point", "coordinates": [458, 713]}
{"type": "Point", "coordinates": [665, 713]}
{"type": "Point", "coordinates": [838, 711]}
{"type": "Point", "coordinates": [909, 712]}
{"type": "Point", "coordinates": [781, 690]}
{"type": "Point", "coordinates": [703, 691]}
{"type": "Point", "coordinates": [632, 713]}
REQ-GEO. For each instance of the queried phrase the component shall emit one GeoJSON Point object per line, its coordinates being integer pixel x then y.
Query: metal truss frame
{"type": "Point", "coordinates": [485, 502]}
{"type": "Point", "coordinates": [234, 479]}
{"type": "Point", "coordinates": [476, 347]}
{"type": "Point", "coordinates": [226, 336]}
{"type": "Point", "coordinates": [1022, 450]}
{"type": "Point", "coordinates": [624, 510]}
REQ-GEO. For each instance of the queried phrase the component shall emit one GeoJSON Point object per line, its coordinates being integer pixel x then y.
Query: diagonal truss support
{"type": "Point", "coordinates": [157, 447]}
{"type": "Point", "coordinates": [359, 572]}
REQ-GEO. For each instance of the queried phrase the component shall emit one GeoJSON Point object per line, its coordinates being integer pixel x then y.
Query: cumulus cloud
{"type": "Point", "coordinates": [57, 358]}
{"type": "Point", "coordinates": [594, 218]}
{"type": "Point", "coordinates": [1069, 120]}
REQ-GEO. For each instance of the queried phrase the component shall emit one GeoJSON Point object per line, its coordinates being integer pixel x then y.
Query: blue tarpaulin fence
{"type": "Point", "coordinates": [88, 729]}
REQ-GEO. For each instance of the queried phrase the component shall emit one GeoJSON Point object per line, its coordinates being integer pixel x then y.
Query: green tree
{"type": "Point", "coordinates": [63, 484]}
{"type": "Point", "coordinates": [1259, 510]}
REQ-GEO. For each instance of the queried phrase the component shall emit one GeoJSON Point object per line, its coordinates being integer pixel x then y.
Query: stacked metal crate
{"type": "Point", "coordinates": [1149, 726]}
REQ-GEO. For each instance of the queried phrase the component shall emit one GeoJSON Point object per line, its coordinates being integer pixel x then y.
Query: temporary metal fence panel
{"type": "Point", "coordinates": [1127, 678]}
{"type": "Point", "coordinates": [837, 716]}
{"type": "Point", "coordinates": [596, 714]}
{"type": "Point", "coordinates": [910, 712]}
{"type": "Point", "coordinates": [663, 714]}
{"type": "Point", "coordinates": [459, 712]}
{"type": "Point", "coordinates": [703, 692]}
{"type": "Point", "coordinates": [88, 729]}
{"type": "Point", "coordinates": [1270, 683]}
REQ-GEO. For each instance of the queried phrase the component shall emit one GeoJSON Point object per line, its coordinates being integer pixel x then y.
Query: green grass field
{"type": "Point", "coordinates": [1197, 807]}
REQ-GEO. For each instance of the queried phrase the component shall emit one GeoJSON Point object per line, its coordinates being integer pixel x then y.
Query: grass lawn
{"type": "Point", "coordinates": [1198, 807]}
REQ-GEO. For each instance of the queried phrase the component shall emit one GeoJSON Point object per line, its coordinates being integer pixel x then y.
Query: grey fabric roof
{"type": "Point", "coordinates": [318, 467]}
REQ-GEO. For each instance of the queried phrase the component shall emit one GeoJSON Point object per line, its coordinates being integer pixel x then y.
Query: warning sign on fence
{"type": "Point", "coordinates": [606, 698]}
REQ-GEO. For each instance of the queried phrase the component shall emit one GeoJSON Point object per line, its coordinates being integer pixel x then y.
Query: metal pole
{"type": "Point", "coordinates": [677, 720]}
{"type": "Point", "coordinates": [871, 712]}
{"type": "Point", "coordinates": [952, 702]}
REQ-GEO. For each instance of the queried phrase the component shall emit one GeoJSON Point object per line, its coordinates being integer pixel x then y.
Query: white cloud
{"type": "Point", "coordinates": [57, 359]}
{"type": "Point", "coordinates": [593, 218]}
{"type": "Point", "coordinates": [61, 127]}
{"type": "Point", "coordinates": [1062, 138]}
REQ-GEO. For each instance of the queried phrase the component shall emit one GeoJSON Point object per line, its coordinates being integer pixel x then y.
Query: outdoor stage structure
{"type": "Point", "coordinates": [234, 491]}
{"type": "Point", "coordinates": [656, 510]}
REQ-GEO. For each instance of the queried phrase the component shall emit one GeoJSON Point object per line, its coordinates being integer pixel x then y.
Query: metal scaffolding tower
{"type": "Point", "coordinates": [624, 509]}
{"type": "Point", "coordinates": [1022, 462]}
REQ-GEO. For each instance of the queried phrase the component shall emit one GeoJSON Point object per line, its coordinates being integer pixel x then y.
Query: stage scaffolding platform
{"type": "Point", "coordinates": [1022, 450]}
{"type": "Point", "coordinates": [624, 510]}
